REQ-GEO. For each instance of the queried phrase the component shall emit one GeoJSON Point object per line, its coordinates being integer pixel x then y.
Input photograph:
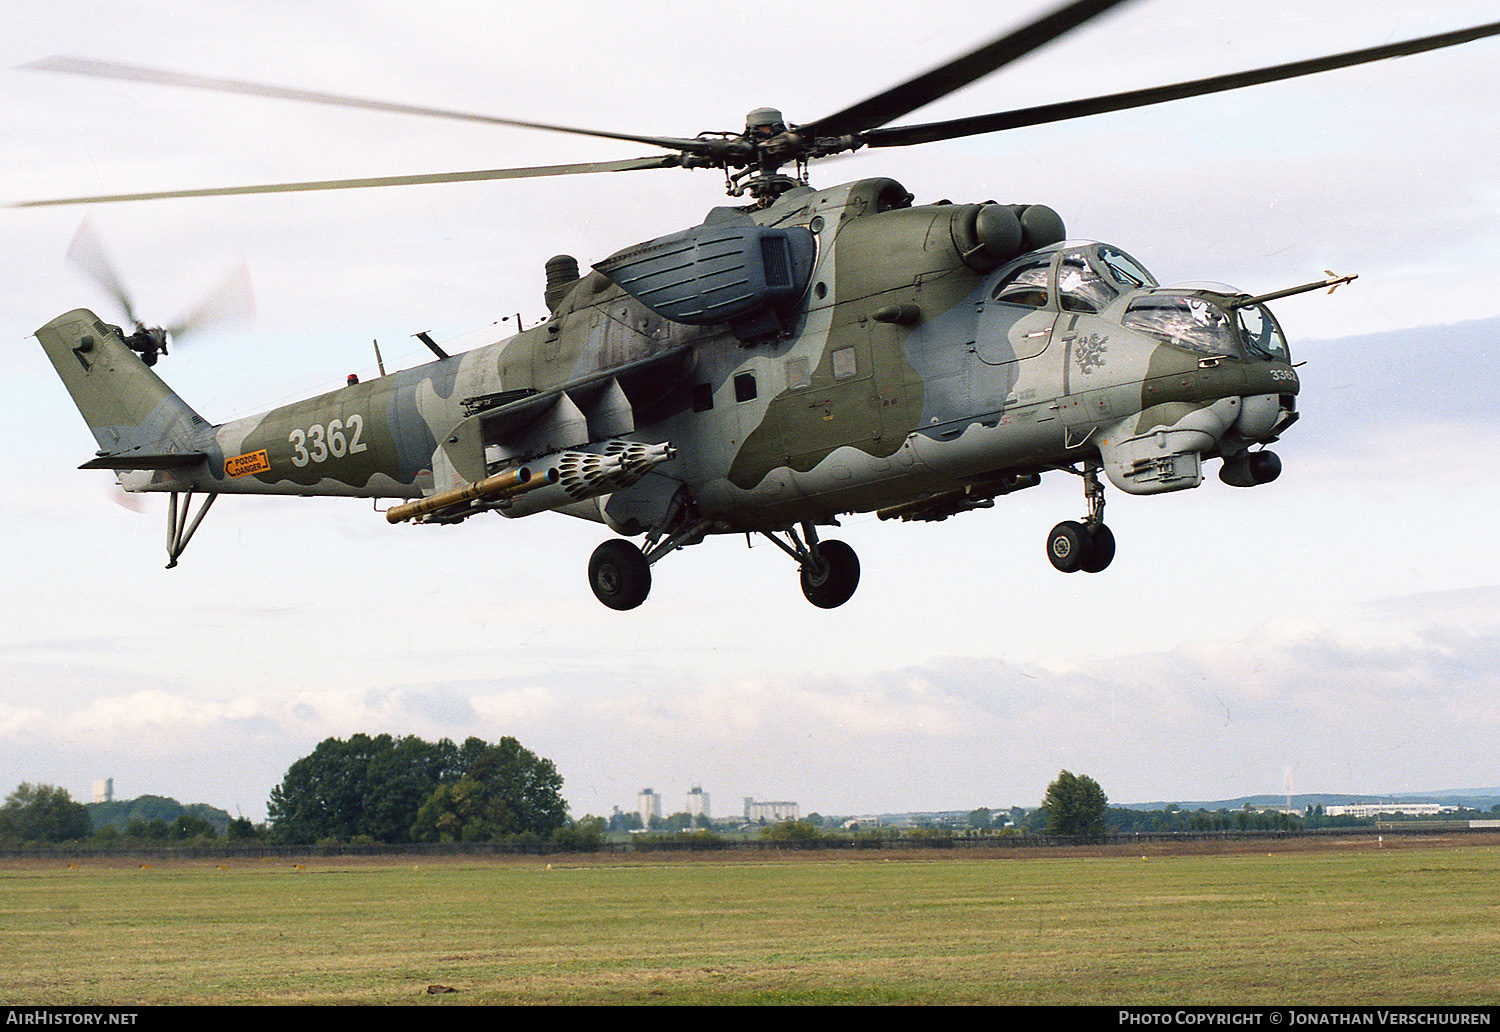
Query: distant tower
{"type": "Point", "coordinates": [104, 790]}
{"type": "Point", "coordinates": [697, 804]}
{"type": "Point", "coordinates": [650, 806]}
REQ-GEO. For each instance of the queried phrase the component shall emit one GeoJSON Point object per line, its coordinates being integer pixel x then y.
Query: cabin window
{"type": "Point", "coordinates": [1125, 269]}
{"type": "Point", "coordinates": [844, 364]}
{"type": "Point", "coordinates": [1258, 329]}
{"type": "Point", "coordinates": [703, 397]}
{"type": "Point", "coordinates": [744, 387]}
{"type": "Point", "coordinates": [1183, 320]}
{"type": "Point", "coordinates": [797, 374]}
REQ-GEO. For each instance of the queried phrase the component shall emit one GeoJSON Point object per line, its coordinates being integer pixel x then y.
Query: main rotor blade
{"type": "Point", "coordinates": [941, 81]}
{"type": "Point", "coordinates": [974, 125]}
{"type": "Point", "coordinates": [162, 77]}
{"type": "Point", "coordinates": [627, 165]}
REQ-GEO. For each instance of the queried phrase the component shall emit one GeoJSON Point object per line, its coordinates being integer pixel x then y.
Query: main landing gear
{"type": "Point", "coordinates": [1088, 545]}
{"type": "Point", "coordinates": [830, 569]}
{"type": "Point", "coordinates": [620, 573]}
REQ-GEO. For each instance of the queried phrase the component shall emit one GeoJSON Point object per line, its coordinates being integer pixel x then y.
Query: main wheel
{"type": "Point", "coordinates": [830, 578]}
{"type": "Point", "coordinates": [1068, 546]}
{"type": "Point", "coordinates": [619, 574]}
{"type": "Point", "coordinates": [1101, 550]}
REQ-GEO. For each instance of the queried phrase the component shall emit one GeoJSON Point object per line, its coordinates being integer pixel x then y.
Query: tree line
{"type": "Point", "coordinates": [364, 789]}
{"type": "Point", "coordinates": [398, 790]}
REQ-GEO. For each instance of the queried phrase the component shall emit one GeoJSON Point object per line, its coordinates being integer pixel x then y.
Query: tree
{"type": "Point", "coordinates": [792, 833]}
{"type": "Point", "coordinates": [241, 830]}
{"type": "Point", "coordinates": [388, 789]}
{"type": "Point", "coordinates": [505, 790]}
{"type": "Point", "coordinates": [455, 813]}
{"type": "Point", "coordinates": [119, 814]}
{"type": "Point", "coordinates": [187, 826]}
{"type": "Point", "coordinates": [43, 813]}
{"type": "Point", "coordinates": [1074, 805]}
{"type": "Point", "coordinates": [360, 788]}
{"type": "Point", "coordinates": [620, 821]}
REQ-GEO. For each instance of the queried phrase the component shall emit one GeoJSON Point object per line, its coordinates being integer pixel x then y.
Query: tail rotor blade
{"type": "Point", "coordinates": [230, 302]}
{"type": "Point", "coordinates": [87, 252]}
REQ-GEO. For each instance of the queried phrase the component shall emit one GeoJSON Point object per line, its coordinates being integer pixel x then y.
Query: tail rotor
{"type": "Point", "coordinates": [231, 301]}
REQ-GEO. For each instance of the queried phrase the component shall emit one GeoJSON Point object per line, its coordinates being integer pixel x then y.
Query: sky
{"type": "Point", "coordinates": [1335, 631]}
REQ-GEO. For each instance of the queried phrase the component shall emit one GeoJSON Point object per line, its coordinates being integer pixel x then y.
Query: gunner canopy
{"type": "Point", "coordinates": [1208, 325]}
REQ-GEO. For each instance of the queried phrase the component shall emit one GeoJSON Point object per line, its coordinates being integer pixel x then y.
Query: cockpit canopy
{"type": "Point", "coordinates": [1209, 324]}
{"type": "Point", "coordinates": [1088, 277]}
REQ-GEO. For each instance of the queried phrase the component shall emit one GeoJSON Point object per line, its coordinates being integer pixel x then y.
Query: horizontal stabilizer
{"type": "Point", "coordinates": [145, 460]}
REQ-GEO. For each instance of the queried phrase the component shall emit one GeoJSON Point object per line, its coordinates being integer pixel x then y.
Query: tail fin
{"type": "Point", "coordinates": [136, 418]}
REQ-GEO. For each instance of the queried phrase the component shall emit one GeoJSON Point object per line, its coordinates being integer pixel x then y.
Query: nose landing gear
{"type": "Point", "coordinates": [1088, 545]}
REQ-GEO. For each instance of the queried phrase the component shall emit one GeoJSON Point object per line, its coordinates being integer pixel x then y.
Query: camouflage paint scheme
{"type": "Point", "coordinates": [898, 381]}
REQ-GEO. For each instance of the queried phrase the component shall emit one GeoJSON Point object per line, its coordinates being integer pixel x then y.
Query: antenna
{"type": "Point", "coordinates": [431, 344]}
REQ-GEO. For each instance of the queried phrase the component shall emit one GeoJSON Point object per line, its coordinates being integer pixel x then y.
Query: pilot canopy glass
{"type": "Point", "coordinates": [1089, 279]}
{"type": "Point", "coordinates": [1080, 279]}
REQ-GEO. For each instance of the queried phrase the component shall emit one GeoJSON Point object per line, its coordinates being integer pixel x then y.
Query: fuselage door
{"type": "Point", "coordinates": [1012, 333]}
{"type": "Point", "coordinates": [1015, 319]}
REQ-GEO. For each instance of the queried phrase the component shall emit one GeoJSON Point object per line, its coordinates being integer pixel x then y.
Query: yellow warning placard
{"type": "Point", "coordinates": [243, 465]}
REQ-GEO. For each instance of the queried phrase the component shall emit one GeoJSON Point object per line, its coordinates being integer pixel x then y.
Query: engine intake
{"type": "Point", "coordinates": [989, 235]}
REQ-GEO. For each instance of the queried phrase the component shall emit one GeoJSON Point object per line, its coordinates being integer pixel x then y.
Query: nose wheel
{"type": "Point", "coordinates": [1074, 546]}
{"type": "Point", "coordinates": [1087, 545]}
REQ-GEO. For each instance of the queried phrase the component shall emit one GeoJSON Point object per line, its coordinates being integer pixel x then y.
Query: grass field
{"type": "Point", "coordinates": [1353, 922]}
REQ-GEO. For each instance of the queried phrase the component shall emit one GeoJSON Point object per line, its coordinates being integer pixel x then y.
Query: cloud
{"type": "Point", "coordinates": [1403, 697]}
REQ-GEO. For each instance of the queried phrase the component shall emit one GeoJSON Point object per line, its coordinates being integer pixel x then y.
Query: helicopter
{"type": "Point", "coordinates": [793, 358]}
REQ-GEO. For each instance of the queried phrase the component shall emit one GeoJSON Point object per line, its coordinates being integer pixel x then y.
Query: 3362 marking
{"type": "Point", "coordinates": [321, 442]}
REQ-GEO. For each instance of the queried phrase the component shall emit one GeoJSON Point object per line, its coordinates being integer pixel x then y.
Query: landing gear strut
{"type": "Point", "coordinates": [830, 569]}
{"type": "Point", "coordinates": [1088, 545]}
{"type": "Point", "coordinates": [620, 573]}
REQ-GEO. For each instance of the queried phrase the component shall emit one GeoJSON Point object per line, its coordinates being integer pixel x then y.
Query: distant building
{"type": "Point", "coordinates": [1376, 809]}
{"type": "Point", "coordinates": [104, 790]}
{"type": "Point", "coordinates": [771, 813]}
{"type": "Point", "coordinates": [697, 804]}
{"type": "Point", "coordinates": [649, 804]}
